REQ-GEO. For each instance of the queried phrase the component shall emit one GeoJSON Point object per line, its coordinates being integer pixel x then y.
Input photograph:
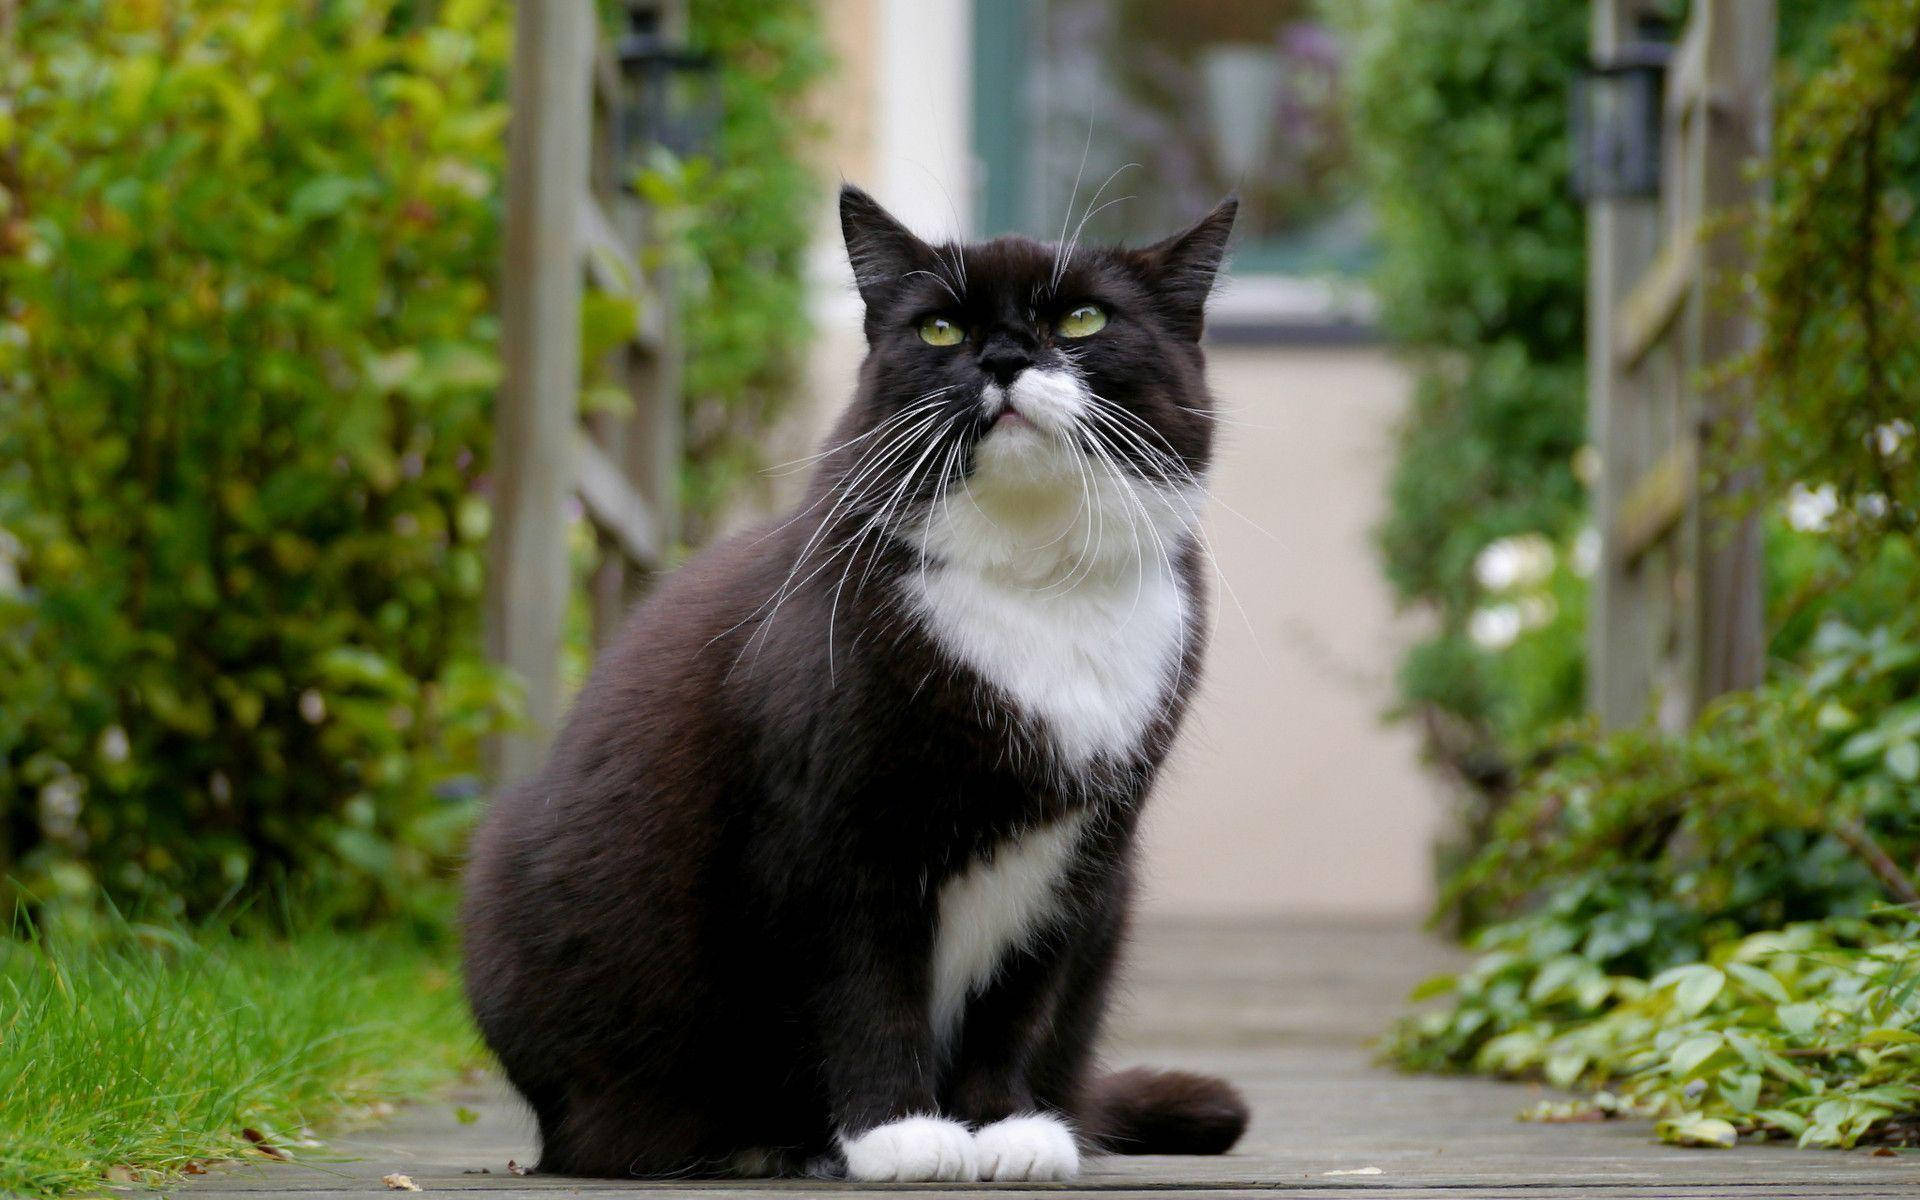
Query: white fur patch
{"type": "Point", "coordinates": [912, 1150]}
{"type": "Point", "coordinates": [1027, 1147]}
{"type": "Point", "coordinates": [990, 909]}
{"type": "Point", "coordinates": [1051, 574]}
{"type": "Point", "coordinates": [1051, 398]}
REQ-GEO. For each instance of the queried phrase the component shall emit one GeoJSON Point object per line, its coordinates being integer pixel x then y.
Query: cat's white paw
{"type": "Point", "coordinates": [911, 1150]}
{"type": "Point", "coordinates": [1028, 1147]}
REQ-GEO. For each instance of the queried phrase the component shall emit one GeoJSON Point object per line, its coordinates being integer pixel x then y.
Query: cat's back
{"type": "Point", "coordinates": [626, 809]}
{"type": "Point", "coordinates": [656, 715]}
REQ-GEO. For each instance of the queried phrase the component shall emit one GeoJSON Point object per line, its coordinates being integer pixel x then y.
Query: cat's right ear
{"type": "Point", "coordinates": [880, 249]}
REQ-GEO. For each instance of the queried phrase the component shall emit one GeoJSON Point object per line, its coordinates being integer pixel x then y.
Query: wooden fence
{"type": "Point", "coordinates": [571, 219]}
{"type": "Point", "coordinates": [1676, 604]}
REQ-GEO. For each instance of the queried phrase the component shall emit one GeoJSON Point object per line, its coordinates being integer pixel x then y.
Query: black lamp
{"type": "Point", "coordinates": [1617, 123]}
{"type": "Point", "coordinates": [672, 92]}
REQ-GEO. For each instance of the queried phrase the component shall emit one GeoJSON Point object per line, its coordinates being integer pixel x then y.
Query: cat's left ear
{"type": "Point", "coordinates": [1182, 268]}
{"type": "Point", "coordinates": [880, 249]}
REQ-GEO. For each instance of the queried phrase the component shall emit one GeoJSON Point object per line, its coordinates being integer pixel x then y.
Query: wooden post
{"type": "Point", "coordinates": [547, 153]}
{"type": "Point", "coordinates": [655, 439]}
{"type": "Point", "coordinates": [1677, 599]}
{"type": "Point", "coordinates": [1727, 644]}
{"type": "Point", "coordinates": [1622, 236]}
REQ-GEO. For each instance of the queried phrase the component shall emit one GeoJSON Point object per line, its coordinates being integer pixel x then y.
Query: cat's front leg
{"type": "Point", "coordinates": [1018, 1138]}
{"type": "Point", "coordinates": [877, 1038]}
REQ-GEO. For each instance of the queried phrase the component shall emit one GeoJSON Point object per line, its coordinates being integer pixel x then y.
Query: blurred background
{"type": "Point", "coordinates": [362, 360]}
{"type": "Point", "coordinates": [253, 465]}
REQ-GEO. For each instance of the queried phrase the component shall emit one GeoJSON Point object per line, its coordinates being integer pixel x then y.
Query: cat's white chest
{"type": "Point", "coordinates": [1091, 665]}
{"type": "Point", "coordinates": [991, 908]}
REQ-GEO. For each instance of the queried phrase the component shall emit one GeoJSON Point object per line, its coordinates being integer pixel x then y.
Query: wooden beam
{"type": "Point", "coordinates": [547, 159]}
{"type": "Point", "coordinates": [1622, 236]}
{"type": "Point", "coordinates": [1687, 73]}
{"type": "Point", "coordinates": [1654, 505]}
{"type": "Point", "coordinates": [616, 508]}
{"type": "Point", "coordinates": [1648, 311]}
{"type": "Point", "coordinates": [1726, 645]}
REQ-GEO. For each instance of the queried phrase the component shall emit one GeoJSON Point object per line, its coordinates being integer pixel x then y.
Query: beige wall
{"type": "Point", "coordinates": [1287, 793]}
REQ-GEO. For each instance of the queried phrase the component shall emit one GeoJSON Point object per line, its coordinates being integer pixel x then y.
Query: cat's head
{"type": "Point", "coordinates": [1042, 380]}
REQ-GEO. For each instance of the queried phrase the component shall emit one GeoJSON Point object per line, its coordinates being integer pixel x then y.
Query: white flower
{"type": "Point", "coordinates": [1811, 510]}
{"type": "Point", "coordinates": [60, 798]}
{"type": "Point", "coordinates": [1890, 437]}
{"type": "Point", "coordinates": [1495, 627]}
{"type": "Point", "coordinates": [114, 744]}
{"type": "Point", "coordinates": [313, 707]}
{"type": "Point", "coordinates": [1523, 560]}
{"type": "Point", "coordinates": [60, 808]}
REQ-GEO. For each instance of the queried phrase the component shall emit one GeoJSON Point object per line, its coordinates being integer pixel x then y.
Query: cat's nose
{"type": "Point", "coordinates": [1004, 359]}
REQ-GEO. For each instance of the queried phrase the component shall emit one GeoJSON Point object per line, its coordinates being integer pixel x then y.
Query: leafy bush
{"type": "Point", "coordinates": [750, 223]}
{"type": "Point", "coordinates": [1463, 129]}
{"type": "Point", "coordinates": [246, 355]}
{"type": "Point", "coordinates": [1840, 356]}
{"type": "Point", "coordinates": [1764, 842]}
{"type": "Point", "coordinates": [1808, 1031]}
{"type": "Point", "coordinates": [1701, 924]}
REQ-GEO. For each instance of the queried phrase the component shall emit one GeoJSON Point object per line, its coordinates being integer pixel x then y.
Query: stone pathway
{"type": "Point", "coordinates": [1285, 1011]}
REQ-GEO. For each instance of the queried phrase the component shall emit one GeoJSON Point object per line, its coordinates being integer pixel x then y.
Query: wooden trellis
{"type": "Point", "coordinates": [1676, 603]}
{"type": "Point", "coordinates": [571, 219]}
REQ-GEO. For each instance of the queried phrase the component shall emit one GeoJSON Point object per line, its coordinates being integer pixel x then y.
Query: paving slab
{"type": "Point", "coordinates": [1284, 1009]}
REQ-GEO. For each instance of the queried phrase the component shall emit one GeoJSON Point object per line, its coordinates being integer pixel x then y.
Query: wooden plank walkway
{"type": "Point", "coordinates": [1285, 1010]}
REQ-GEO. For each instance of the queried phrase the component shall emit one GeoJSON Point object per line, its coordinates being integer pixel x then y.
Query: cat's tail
{"type": "Point", "coordinates": [1143, 1111]}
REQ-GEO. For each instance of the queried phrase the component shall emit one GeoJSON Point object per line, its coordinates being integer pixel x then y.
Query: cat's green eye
{"type": "Point", "coordinates": [1084, 321]}
{"type": "Point", "coordinates": [938, 331]}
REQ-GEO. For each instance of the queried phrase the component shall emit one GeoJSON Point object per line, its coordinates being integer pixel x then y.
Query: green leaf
{"type": "Point", "coordinates": [1759, 981]}
{"type": "Point", "coordinates": [1563, 1069]}
{"type": "Point", "coordinates": [1694, 987]}
{"type": "Point", "coordinates": [1698, 1131]}
{"type": "Point", "coordinates": [1903, 761]}
{"type": "Point", "coordinates": [1687, 1057]}
{"type": "Point", "coordinates": [1741, 1089]}
{"type": "Point", "coordinates": [1801, 1020]}
{"type": "Point", "coordinates": [327, 196]}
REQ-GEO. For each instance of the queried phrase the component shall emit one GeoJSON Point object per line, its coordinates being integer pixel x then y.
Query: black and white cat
{"type": "Point", "coordinates": [830, 866]}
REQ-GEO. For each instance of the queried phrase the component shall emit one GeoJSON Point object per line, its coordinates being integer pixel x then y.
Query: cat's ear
{"type": "Point", "coordinates": [879, 248]}
{"type": "Point", "coordinates": [1182, 268]}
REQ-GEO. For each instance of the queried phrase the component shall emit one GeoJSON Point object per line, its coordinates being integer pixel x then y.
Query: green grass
{"type": "Point", "coordinates": [151, 1049]}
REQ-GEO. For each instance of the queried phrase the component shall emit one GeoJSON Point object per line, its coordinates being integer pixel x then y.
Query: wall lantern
{"type": "Point", "coordinates": [672, 92]}
{"type": "Point", "coordinates": [1617, 123]}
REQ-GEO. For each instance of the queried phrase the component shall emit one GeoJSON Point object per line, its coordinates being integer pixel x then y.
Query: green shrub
{"type": "Point", "coordinates": [750, 221]}
{"type": "Point", "coordinates": [1463, 129]}
{"type": "Point", "coordinates": [1701, 924]}
{"type": "Point", "coordinates": [246, 355]}
{"type": "Point", "coordinates": [1805, 1032]}
{"type": "Point", "coordinates": [1839, 360]}
{"type": "Point", "coordinates": [1765, 842]}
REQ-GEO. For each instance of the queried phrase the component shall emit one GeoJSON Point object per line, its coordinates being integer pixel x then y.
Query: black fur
{"type": "Point", "coordinates": [705, 925]}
